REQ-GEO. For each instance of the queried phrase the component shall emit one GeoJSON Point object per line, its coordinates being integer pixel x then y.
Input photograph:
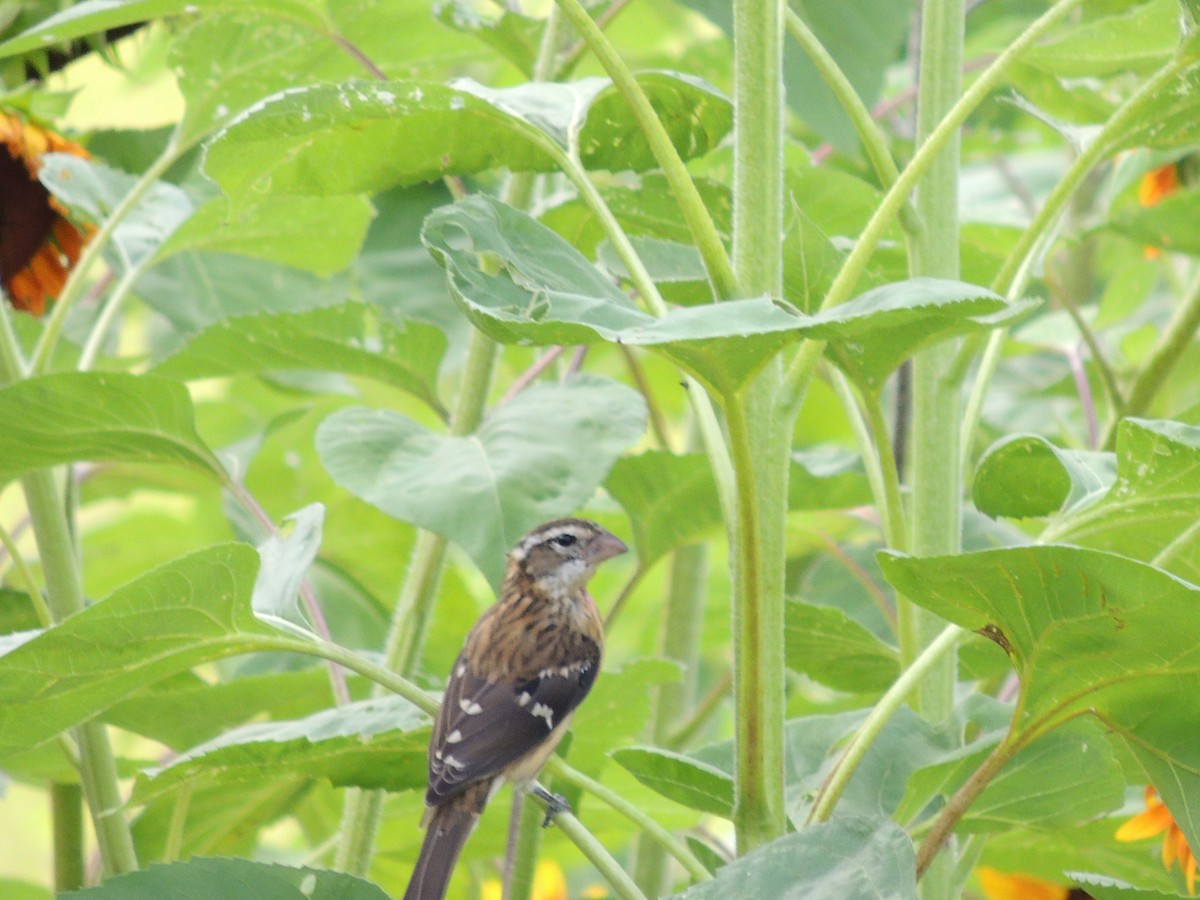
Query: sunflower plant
{"type": "Point", "coordinates": [869, 326]}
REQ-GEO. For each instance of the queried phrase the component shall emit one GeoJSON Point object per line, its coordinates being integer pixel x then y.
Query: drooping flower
{"type": "Point", "coordinates": [998, 885]}
{"type": "Point", "coordinates": [1156, 820]}
{"type": "Point", "coordinates": [38, 242]}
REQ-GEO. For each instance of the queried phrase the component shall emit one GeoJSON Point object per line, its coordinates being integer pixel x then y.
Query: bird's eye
{"type": "Point", "coordinates": [564, 540]}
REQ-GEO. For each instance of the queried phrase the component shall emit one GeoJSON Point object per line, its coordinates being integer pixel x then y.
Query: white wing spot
{"type": "Point", "coordinates": [542, 711]}
{"type": "Point", "coordinates": [469, 706]}
{"type": "Point", "coordinates": [524, 698]}
{"type": "Point", "coordinates": [455, 763]}
{"type": "Point", "coordinates": [454, 737]}
{"type": "Point", "coordinates": [460, 671]}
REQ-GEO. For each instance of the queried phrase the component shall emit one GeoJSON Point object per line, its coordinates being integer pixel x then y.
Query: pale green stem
{"type": "Point", "coordinates": [673, 845]}
{"type": "Point", "coordinates": [704, 232]}
{"type": "Point", "coordinates": [870, 135]}
{"type": "Point", "coordinates": [66, 804]}
{"type": "Point", "coordinates": [886, 707]}
{"type": "Point", "coordinates": [1174, 340]}
{"type": "Point", "coordinates": [74, 289]}
{"type": "Point", "coordinates": [64, 597]}
{"type": "Point", "coordinates": [875, 448]}
{"type": "Point", "coordinates": [525, 841]}
{"type": "Point", "coordinates": [617, 878]}
{"type": "Point", "coordinates": [177, 827]}
{"type": "Point", "coordinates": [801, 368]}
{"type": "Point", "coordinates": [26, 576]}
{"type": "Point", "coordinates": [1180, 542]}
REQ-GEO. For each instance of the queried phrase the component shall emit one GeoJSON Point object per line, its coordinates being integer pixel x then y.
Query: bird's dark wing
{"type": "Point", "coordinates": [484, 726]}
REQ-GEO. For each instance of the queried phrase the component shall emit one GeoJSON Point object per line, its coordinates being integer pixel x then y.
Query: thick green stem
{"type": "Point", "coordinates": [936, 384]}
{"type": "Point", "coordinates": [1174, 340]}
{"type": "Point", "coordinates": [801, 368]}
{"type": "Point", "coordinates": [936, 472]}
{"type": "Point", "coordinates": [66, 804]}
{"type": "Point", "coordinates": [64, 597]}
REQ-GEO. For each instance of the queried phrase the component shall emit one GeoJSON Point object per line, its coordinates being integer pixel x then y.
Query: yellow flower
{"type": "Point", "coordinates": [549, 883]}
{"type": "Point", "coordinates": [38, 244]}
{"type": "Point", "coordinates": [1007, 886]}
{"type": "Point", "coordinates": [1154, 821]}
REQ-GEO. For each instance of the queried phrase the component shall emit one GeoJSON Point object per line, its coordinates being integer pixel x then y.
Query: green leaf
{"type": "Point", "coordinates": [540, 455]}
{"type": "Point", "coordinates": [195, 290]}
{"type": "Point", "coordinates": [851, 857]}
{"type": "Point", "coordinates": [831, 648]}
{"type": "Point", "coordinates": [1025, 475]}
{"type": "Point", "coordinates": [317, 234]}
{"type": "Point", "coordinates": [1137, 39]}
{"type": "Point", "coordinates": [1087, 631]}
{"type": "Point", "coordinates": [514, 35]}
{"type": "Point", "coordinates": [73, 417]}
{"type": "Point", "coordinates": [187, 612]}
{"type": "Point", "coordinates": [362, 137]}
{"type": "Point", "coordinates": [1153, 501]}
{"type": "Point", "coordinates": [1172, 224]}
{"type": "Point", "coordinates": [220, 879]}
{"type": "Point", "coordinates": [352, 339]}
{"type": "Point", "coordinates": [653, 487]}
{"type": "Point", "coordinates": [1172, 120]}
{"type": "Point", "coordinates": [875, 332]}
{"type": "Point", "coordinates": [229, 62]}
{"type": "Point", "coordinates": [186, 710]}
{"type": "Point", "coordinates": [23, 890]}
{"type": "Point", "coordinates": [827, 477]}
{"type": "Point", "coordinates": [1103, 888]}
{"type": "Point", "coordinates": [379, 743]}
{"type": "Point", "coordinates": [694, 784]}
{"type": "Point", "coordinates": [520, 282]}
{"type": "Point", "coordinates": [94, 190]}
{"type": "Point", "coordinates": [1030, 791]}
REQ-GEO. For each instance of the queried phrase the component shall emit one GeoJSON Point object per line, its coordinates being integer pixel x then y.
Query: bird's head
{"type": "Point", "coordinates": [560, 556]}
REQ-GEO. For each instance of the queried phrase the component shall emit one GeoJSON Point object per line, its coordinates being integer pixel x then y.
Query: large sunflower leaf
{"type": "Point", "coordinates": [363, 137]}
{"type": "Point", "coordinates": [540, 455]}
{"type": "Point", "coordinates": [84, 416]}
{"type": "Point", "coordinates": [189, 611]}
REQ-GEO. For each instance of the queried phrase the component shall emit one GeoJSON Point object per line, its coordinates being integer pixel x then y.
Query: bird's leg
{"type": "Point", "coordinates": [555, 803]}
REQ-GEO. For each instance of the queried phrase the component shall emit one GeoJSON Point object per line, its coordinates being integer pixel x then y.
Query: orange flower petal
{"type": "Point", "coordinates": [1006, 886]}
{"type": "Point", "coordinates": [1153, 821]}
{"type": "Point", "coordinates": [1158, 184]}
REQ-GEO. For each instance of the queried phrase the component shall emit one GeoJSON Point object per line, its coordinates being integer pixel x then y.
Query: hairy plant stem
{"type": "Point", "coordinates": [64, 597]}
{"type": "Point", "coordinates": [800, 369]}
{"type": "Point", "coordinates": [760, 439]}
{"type": "Point", "coordinates": [937, 482]}
{"type": "Point", "coordinates": [1173, 341]}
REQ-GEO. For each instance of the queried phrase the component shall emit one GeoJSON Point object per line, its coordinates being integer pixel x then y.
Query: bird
{"type": "Point", "coordinates": [525, 666]}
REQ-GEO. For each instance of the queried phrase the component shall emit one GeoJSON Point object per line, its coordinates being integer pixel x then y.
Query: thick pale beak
{"type": "Point", "coordinates": [604, 546]}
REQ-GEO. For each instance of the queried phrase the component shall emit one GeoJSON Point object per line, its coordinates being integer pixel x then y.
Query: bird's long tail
{"type": "Point", "coordinates": [448, 830]}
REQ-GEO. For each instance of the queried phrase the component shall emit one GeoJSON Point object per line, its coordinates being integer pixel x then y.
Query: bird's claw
{"type": "Point", "coordinates": [555, 804]}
